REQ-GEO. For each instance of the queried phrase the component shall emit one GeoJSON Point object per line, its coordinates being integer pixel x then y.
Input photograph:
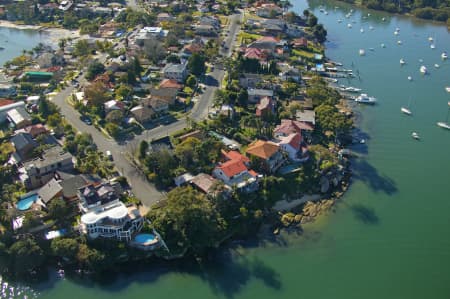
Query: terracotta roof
{"type": "Point", "coordinates": [262, 149]}
{"type": "Point", "coordinates": [268, 39]}
{"type": "Point", "coordinates": [4, 102]}
{"type": "Point", "coordinates": [35, 130]}
{"type": "Point", "coordinates": [289, 126]}
{"type": "Point", "coordinates": [253, 173]}
{"type": "Point", "coordinates": [192, 48]}
{"type": "Point", "coordinates": [235, 155]}
{"type": "Point", "coordinates": [254, 53]}
{"type": "Point", "coordinates": [232, 167]}
{"type": "Point", "coordinates": [293, 140]}
{"type": "Point", "coordinates": [170, 83]}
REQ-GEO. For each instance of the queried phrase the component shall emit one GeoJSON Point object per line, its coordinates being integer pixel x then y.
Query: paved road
{"type": "Point", "coordinates": [143, 190]}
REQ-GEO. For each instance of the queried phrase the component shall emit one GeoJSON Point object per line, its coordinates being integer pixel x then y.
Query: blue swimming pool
{"type": "Point", "coordinates": [25, 203]}
{"type": "Point", "coordinates": [144, 238]}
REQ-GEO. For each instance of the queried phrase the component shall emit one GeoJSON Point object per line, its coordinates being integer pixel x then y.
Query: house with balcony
{"type": "Point", "coordinates": [266, 155]}
{"type": "Point", "coordinates": [93, 195]}
{"type": "Point", "coordinates": [292, 145]}
{"type": "Point", "coordinates": [234, 172]}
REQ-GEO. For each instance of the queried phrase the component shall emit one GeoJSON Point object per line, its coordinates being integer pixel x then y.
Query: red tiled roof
{"type": "Point", "coordinates": [254, 53]}
{"type": "Point", "coordinates": [170, 83]}
{"type": "Point", "coordinates": [293, 140]}
{"type": "Point", "coordinates": [232, 167]}
{"type": "Point", "coordinates": [35, 130]}
{"type": "Point", "coordinates": [268, 39]}
{"type": "Point", "coordinates": [235, 155]}
{"type": "Point", "coordinates": [253, 173]}
{"type": "Point", "coordinates": [262, 149]}
{"type": "Point", "coordinates": [289, 126]}
{"type": "Point", "coordinates": [4, 102]}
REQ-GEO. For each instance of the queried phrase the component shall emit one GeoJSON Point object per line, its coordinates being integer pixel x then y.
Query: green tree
{"type": "Point", "coordinates": [196, 64]}
{"type": "Point", "coordinates": [191, 81]}
{"type": "Point", "coordinates": [94, 69]}
{"type": "Point", "coordinates": [58, 209]}
{"type": "Point", "coordinates": [115, 117]}
{"type": "Point", "coordinates": [25, 256]}
{"type": "Point", "coordinates": [113, 130]}
{"type": "Point", "coordinates": [90, 257]}
{"type": "Point", "coordinates": [81, 48]}
{"type": "Point", "coordinates": [143, 148]}
{"type": "Point", "coordinates": [97, 94]}
{"type": "Point", "coordinates": [64, 247]}
{"type": "Point", "coordinates": [188, 221]}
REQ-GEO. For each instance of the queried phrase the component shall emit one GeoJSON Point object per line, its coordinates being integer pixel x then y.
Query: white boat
{"type": "Point", "coordinates": [362, 52]}
{"type": "Point", "coordinates": [370, 28]}
{"type": "Point", "coordinates": [430, 39]}
{"type": "Point", "coordinates": [423, 69]}
{"type": "Point", "coordinates": [399, 42]}
{"type": "Point", "coordinates": [420, 60]}
{"type": "Point", "coordinates": [383, 45]}
{"type": "Point", "coordinates": [397, 29]}
{"type": "Point", "coordinates": [383, 19]}
{"type": "Point", "coordinates": [368, 14]}
{"type": "Point", "coordinates": [445, 124]}
{"type": "Point", "coordinates": [406, 110]}
{"type": "Point", "coordinates": [365, 99]}
{"type": "Point", "coordinates": [415, 135]}
{"type": "Point", "coordinates": [410, 78]}
{"type": "Point", "coordinates": [396, 32]}
{"type": "Point", "coordinates": [432, 46]}
{"type": "Point", "coordinates": [339, 21]}
{"type": "Point", "coordinates": [349, 25]}
{"type": "Point", "coordinates": [444, 55]}
{"type": "Point", "coordinates": [351, 89]}
{"type": "Point", "coordinates": [361, 30]}
{"type": "Point", "coordinates": [436, 65]}
{"type": "Point", "coordinates": [326, 12]}
{"type": "Point", "coordinates": [448, 90]}
{"type": "Point", "coordinates": [402, 61]}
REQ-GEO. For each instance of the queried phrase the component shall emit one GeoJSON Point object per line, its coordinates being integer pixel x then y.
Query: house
{"type": "Point", "coordinates": [24, 144]}
{"type": "Point", "coordinates": [234, 172]}
{"type": "Point", "coordinates": [34, 130]}
{"type": "Point", "coordinates": [158, 105]}
{"type": "Point", "coordinates": [210, 20]}
{"type": "Point", "coordinates": [142, 113]}
{"type": "Point", "coordinates": [39, 171]}
{"type": "Point", "coordinates": [113, 220]}
{"type": "Point", "coordinates": [168, 95]}
{"type": "Point", "coordinates": [113, 105]}
{"type": "Point", "coordinates": [265, 43]}
{"type": "Point", "coordinates": [290, 73]}
{"type": "Point", "coordinates": [149, 33]}
{"type": "Point", "coordinates": [204, 183]}
{"type": "Point", "coordinates": [170, 83]}
{"type": "Point", "coordinates": [267, 10]}
{"type": "Point", "coordinates": [47, 59]}
{"type": "Point", "coordinates": [267, 154]}
{"type": "Point", "coordinates": [205, 30]}
{"type": "Point", "coordinates": [255, 95]}
{"type": "Point", "coordinates": [176, 72]}
{"type": "Point", "coordinates": [248, 80]}
{"type": "Point", "coordinates": [299, 43]}
{"type": "Point", "coordinates": [92, 196]}
{"type": "Point", "coordinates": [307, 116]}
{"type": "Point", "coordinates": [255, 53]}
{"type": "Point", "coordinates": [164, 17]}
{"type": "Point", "coordinates": [273, 26]}
{"type": "Point", "coordinates": [288, 127]}
{"type": "Point", "coordinates": [50, 191]}
{"type": "Point", "coordinates": [7, 90]}
{"type": "Point", "coordinates": [265, 108]}
{"type": "Point", "coordinates": [7, 106]}
{"type": "Point", "coordinates": [294, 31]}
{"type": "Point", "coordinates": [292, 146]}
{"type": "Point", "coordinates": [190, 49]}
{"type": "Point", "coordinates": [183, 179]}
{"type": "Point", "coordinates": [19, 117]}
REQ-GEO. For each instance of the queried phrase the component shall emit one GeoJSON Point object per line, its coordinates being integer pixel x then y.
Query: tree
{"type": "Point", "coordinates": [143, 148]}
{"type": "Point", "coordinates": [153, 50]}
{"type": "Point", "coordinates": [115, 117]}
{"type": "Point", "coordinates": [172, 58]}
{"type": "Point", "coordinates": [191, 81]}
{"type": "Point", "coordinates": [94, 69]}
{"type": "Point", "coordinates": [312, 20]}
{"type": "Point", "coordinates": [330, 119]}
{"type": "Point", "coordinates": [113, 130]}
{"type": "Point", "coordinates": [124, 91]}
{"type": "Point", "coordinates": [81, 48]}
{"type": "Point", "coordinates": [196, 64]}
{"type": "Point", "coordinates": [58, 209]}
{"type": "Point", "coordinates": [26, 256]}
{"type": "Point", "coordinates": [64, 247]}
{"type": "Point", "coordinates": [90, 257]}
{"type": "Point", "coordinates": [96, 94]}
{"type": "Point", "coordinates": [188, 221]}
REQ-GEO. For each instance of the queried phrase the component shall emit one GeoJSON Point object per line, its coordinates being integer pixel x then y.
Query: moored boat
{"type": "Point", "coordinates": [444, 55]}
{"type": "Point", "coordinates": [423, 69]}
{"type": "Point", "coordinates": [362, 52]}
{"type": "Point", "coordinates": [365, 99]}
{"type": "Point", "coordinates": [406, 111]}
{"type": "Point", "coordinates": [402, 61]}
{"type": "Point", "coordinates": [415, 135]}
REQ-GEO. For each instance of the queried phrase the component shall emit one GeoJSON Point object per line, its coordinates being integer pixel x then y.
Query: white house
{"type": "Point", "coordinates": [177, 72]}
{"type": "Point", "coordinates": [292, 146]}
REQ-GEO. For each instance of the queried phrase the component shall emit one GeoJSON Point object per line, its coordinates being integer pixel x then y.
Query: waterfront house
{"type": "Point", "coordinates": [291, 145]}
{"type": "Point", "coordinates": [288, 127]}
{"type": "Point", "coordinates": [94, 195]}
{"type": "Point", "coordinates": [267, 10]}
{"type": "Point", "coordinates": [266, 155]}
{"type": "Point", "coordinates": [39, 171]}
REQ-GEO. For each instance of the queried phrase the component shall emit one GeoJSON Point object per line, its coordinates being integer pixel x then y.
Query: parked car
{"type": "Point", "coordinates": [109, 155]}
{"type": "Point", "coordinates": [86, 119]}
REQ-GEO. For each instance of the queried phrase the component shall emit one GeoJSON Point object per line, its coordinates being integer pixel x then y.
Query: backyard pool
{"type": "Point", "coordinates": [144, 238]}
{"type": "Point", "coordinates": [27, 202]}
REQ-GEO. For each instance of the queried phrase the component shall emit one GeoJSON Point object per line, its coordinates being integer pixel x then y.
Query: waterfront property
{"type": "Point", "coordinates": [146, 241]}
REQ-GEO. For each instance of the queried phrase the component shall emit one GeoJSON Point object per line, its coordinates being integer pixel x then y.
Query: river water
{"type": "Point", "coordinates": [390, 235]}
{"type": "Point", "coordinates": [15, 40]}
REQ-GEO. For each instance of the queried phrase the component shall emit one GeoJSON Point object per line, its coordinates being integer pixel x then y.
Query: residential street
{"type": "Point", "coordinates": [145, 191]}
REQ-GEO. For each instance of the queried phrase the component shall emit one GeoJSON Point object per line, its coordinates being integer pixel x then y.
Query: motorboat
{"type": "Point", "coordinates": [410, 78]}
{"type": "Point", "coordinates": [383, 45]}
{"type": "Point", "coordinates": [352, 89]}
{"type": "Point", "coordinates": [362, 52]}
{"type": "Point", "coordinates": [349, 25]}
{"type": "Point", "coordinates": [423, 69]}
{"type": "Point", "coordinates": [402, 61]}
{"type": "Point", "coordinates": [415, 135]}
{"type": "Point", "coordinates": [420, 60]}
{"type": "Point", "coordinates": [365, 99]}
{"type": "Point", "coordinates": [445, 124]}
{"type": "Point", "coordinates": [361, 30]}
{"type": "Point", "coordinates": [444, 55]}
{"type": "Point", "coordinates": [432, 46]}
{"type": "Point", "coordinates": [406, 111]}
{"type": "Point", "coordinates": [399, 42]}
{"type": "Point", "coordinates": [436, 65]}
{"type": "Point", "coordinates": [448, 90]}
{"type": "Point", "coordinates": [339, 21]}
{"type": "Point", "coordinates": [370, 27]}
{"type": "Point", "coordinates": [397, 29]}
{"type": "Point", "coordinates": [383, 19]}
{"type": "Point", "coordinates": [430, 39]}
{"type": "Point", "coordinates": [396, 32]}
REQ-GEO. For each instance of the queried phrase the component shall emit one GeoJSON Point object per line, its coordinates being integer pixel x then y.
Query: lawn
{"type": "Point", "coordinates": [303, 54]}
{"type": "Point", "coordinates": [247, 38]}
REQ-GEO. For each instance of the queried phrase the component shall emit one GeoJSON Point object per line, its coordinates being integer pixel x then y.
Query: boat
{"type": "Point", "coordinates": [402, 61]}
{"type": "Point", "coordinates": [370, 27]}
{"type": "Point", "coordinates": [362, 52]}
{"type": "Point", "coordinates": [432, 46]}
{"type": "Point", "coordinates": [361, 30]}
{"type": "Point", "coordinates": [326, 12]}
{"type": "Point", "coordinates": [383, 45]}
{"type": "Point", "coordinates": [340, 21]}
{"type": "Point", "coordinates": [444, 55]}
{"type": "Point", "coordinates": [430, 39]}
{"type": "Point", "coordinates": [436, 65]}
{"type": "Point", "coordinates": [371, 49]}
{"type": "Point", "coordinates": [415, 135]}
{"type": "Point", "coordinates": [365, 99]}
{"type": "Point", "coordinates": [445, 124]}
{"type": "Point", "coordinates": [423, 69]}
{"type": "Point", "coordinates": [448, 90]}
{"type": "Point", "coordinates": [396, 32]}
{"type": "Point", "coordinates": [399, 42]}
{"type": "Point", "coordinates": [397, 29]}
{"type": "Point", "coordinates": [410, 78]}
{"type": "Point", "coordinates": [351, 89]}
{"type": "Point", "coordinates": [349, 25]}
{"type": "Point", "coordinates": [383, 19]}
{"type": "Point", "coordinates": [420, 60]}
{"type": "Point", "coordinates": [2, 48]}
{"type": "Point", "coordinates": [406, 110]}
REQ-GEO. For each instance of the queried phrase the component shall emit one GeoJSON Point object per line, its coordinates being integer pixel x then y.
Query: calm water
{"type": "Point", "coordinates": [390, 236]}
{"type": "Point", "coordinates": [14, 41]}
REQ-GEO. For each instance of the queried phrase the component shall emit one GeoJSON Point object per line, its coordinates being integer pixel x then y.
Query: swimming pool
{"type": "Point", "coordinates": [144, 238]}
{"type": "Point", "coordinates": [27, 202]}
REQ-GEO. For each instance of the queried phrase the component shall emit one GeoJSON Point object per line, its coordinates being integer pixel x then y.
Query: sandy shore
{"type": "Point", "coordinates": [54, 34]}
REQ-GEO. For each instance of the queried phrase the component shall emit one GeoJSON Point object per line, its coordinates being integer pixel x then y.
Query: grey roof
{"type": "Point", "coordinates": [71, 183]}
{"type": "Point", "coordinates": [51, 156]}
{"type": "Point", "coordinates": [306, 116]}
{"type": "Point", "coordinates": [22, 140]}
{"type": "Point", "coordinates": [49, 191]}
{"type": "Point", "coordinates": [18, 114]}
{"type": "Point", "coordinates": [164, 92]}
{"type": "Point", "coordinates": [260, 92]}
{"type": "Point", "coordinates": [175, 68]}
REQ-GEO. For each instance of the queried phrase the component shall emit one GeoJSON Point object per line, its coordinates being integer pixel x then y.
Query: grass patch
{"type": "Point", "coordinates": [223, 20]}
{"type": "Point", "coordinates": [246, 38]}
{"type": "Point", "coordinates": [303, 54]}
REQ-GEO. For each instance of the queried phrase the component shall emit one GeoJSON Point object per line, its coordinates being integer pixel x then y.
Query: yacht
{"type": "Point", "coordinates": [445, 124]}
{"type": "Point", "coordinates": [365, 99]}
{"type": "Point", "coordinates": [362, 52]}
{"type": "Point", "coordinates": [432, 46]}
{"type": "Point", "coordinates": [383, 19]}
{"type": "Point", "coordinates": [423, 69]}
{"type": "Point", "coordinates": [444, 55]}
{"type": "Point", "coordinates": [430, 39]}
{"type": "Point", "coordinates": [415, 135]}
{"type": "Point", "coordinates": [350, 89]}
{"type": "Point", "coordinates": [402, 61]}
{"type": "Point", "coordinates": [396, 32]}
{"type": "Point", "coordinates": [448, 90]}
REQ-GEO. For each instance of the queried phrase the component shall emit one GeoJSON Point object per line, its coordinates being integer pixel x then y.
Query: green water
{"type": "Point", "coordinates": [390, 235]}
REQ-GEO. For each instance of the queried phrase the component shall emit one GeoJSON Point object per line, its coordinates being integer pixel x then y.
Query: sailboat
{"type": "Point", "coordinates": [423, 69]}
{"type": "Point", "coordinates": [445, 125]}
{"type": "Point", "coordinates": [406, 109]}
{"type": "Point", "coordinates": [433, 43]}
